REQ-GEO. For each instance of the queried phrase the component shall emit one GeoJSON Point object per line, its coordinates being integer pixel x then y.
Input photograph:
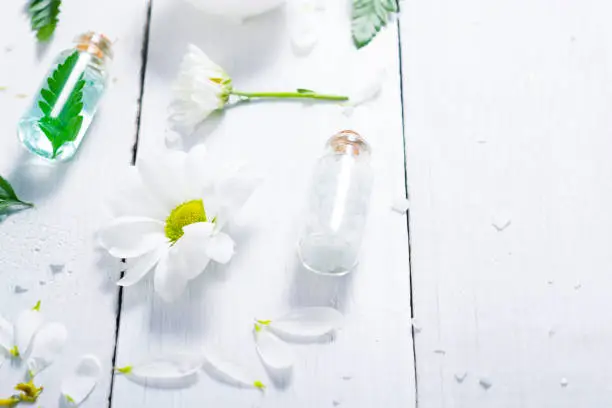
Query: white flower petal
{"type": "Point", "coordinates": [7, 335]}
{"type": "Point", "coordinates": [227, 372]}
{"type": "Point", "coordinates": [132, 198]}
{"type": "Point", "coordinates": [163, 175]}
{"type": "Point", "coordinates": [234, 191]}
{"type": "Point", "coordinates": [304, 25]}
{"type": "Point", "coordinates": [274, 353]}
{"type": "Point", "coordinates": [189, 253]}
{"type": "Point", "coordinates": [130, 237]}
{"type": "Point", "coordinates": [28, 324]}
{"type": "Point", "coordinates": [309, 322]}
{"type": "Point", "coordinates": [79, 385]}
{"type": "Point", "coordinates": [220, 248]}
{"type": "Point", "coordinates": [139, 267]}
{"type": "Point", "coordinates": [169, 284]}
{"type": "Point", "coordinates": [176, 371]}
{"type": "Point", "coordinates": [47, 346]}
{"type": "Point", "coordinates": [202, 170]}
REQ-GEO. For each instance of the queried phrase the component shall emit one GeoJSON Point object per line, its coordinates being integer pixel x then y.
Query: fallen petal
{"type": "Point", "coordinates": [311, 322]}
{"type": "Point", "coordinates": [227, 372]}
{"type": "Point", "coordinates": [6, 336]}
{"type": "Point", "coordinates": [28, 323]}
{"type": "Point", "coordinates": [47, 346]}
{"type": "Point", "coordinates": [175, 370]}
{"type": "Point", "coordinates": [274, 353]}
{"type": "Point", "coordinates": [79, 385]}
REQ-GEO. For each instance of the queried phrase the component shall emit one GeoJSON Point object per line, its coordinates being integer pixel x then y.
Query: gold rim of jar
{"type": "Point", "coordinates": [349, 142]}
{"type": "Point", "coordinates": [96, 44]}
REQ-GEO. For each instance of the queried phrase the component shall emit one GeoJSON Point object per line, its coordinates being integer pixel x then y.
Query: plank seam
{"type": "Point", "coordinates": [143, 73]}
{"type": "Point", "coordinates": [407, 192]}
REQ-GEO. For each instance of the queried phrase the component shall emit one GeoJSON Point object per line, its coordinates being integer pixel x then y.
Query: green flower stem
{"type": "Point", "coordinates": [291, 95]}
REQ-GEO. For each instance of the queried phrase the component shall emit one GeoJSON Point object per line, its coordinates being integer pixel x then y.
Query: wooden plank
{"type": "Point", "coordinates": [70, 199]}
{"type": "Point", "coordinates": [507, 108]}
{"type": "Point", "coordinates": [370, 363]}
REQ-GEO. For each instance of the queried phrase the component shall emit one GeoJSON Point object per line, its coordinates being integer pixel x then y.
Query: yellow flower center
{"type": "Point", "coordinates": [185, 214]}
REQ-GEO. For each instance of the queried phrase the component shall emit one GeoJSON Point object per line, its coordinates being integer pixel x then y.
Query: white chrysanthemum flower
{"type": "Point", "coordinates": [171, 219]}
{"type": "Point", "coordinates": [236, 9]}
{"type": "Point", "coordinates": [203, 87]}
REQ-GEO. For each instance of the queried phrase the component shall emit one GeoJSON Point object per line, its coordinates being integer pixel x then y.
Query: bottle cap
{"type": "Point", "coordinates": [349, 142]}
{"type": "Point", "coordinates": [96, 44]}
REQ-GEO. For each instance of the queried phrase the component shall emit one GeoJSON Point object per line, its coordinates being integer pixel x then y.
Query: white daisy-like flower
{"type": "Point", "coordinates": [237, 9]}
{"type": "Point", "coordinates": [203, 87]}
{"type": "Point", "coordinates": [170, 219]}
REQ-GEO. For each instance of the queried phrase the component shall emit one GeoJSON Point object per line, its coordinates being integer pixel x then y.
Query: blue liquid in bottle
{"type": "Point", "coordinates": [58, 119]}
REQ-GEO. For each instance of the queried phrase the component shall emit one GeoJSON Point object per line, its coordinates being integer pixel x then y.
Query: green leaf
{"type": "Point", "coordinates": [64, 126]}
{"type": "Point", "coordinates": [369, 17]}
{"type": "Point", "coordinates": [304, 91]}
{"type": "Point", "coordinates": [9, 202]}
{"type": "Point", "coordinates": [43, 17]}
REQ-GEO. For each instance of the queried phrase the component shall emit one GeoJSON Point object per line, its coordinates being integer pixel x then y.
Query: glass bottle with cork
{"type": "Point", "coordinates": [55, 124]}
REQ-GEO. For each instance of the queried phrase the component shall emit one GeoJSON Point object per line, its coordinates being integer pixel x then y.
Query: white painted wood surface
{"type": "Point", "coordinates": [508, 119]}
{"type": "Point", "coordinates": [370, 363]}
{"type": "Point", "coordinates": [69, 198]}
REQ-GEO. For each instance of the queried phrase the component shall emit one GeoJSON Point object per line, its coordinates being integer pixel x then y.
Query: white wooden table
{"type": "Point", "coordinates": [495, 116]}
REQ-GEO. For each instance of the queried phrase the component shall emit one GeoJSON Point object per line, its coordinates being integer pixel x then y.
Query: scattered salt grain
{"type": "Point", "coordinates": [400, 205]}
{"type": "Point", "coordinates": [57, 268]}
{"type": "Point", "coordinates": [440, 351]}
{"type": "Point", "coordinates": [415, 325]}
{"type": "Point", "coordinates": [19, 289]}
{"type": "Point", "coordinates": [459, 377]}
{"type": "Point", "coordinates": [485, 383]}
{"type": "Point", "coordinates": [335, 403]}
{"type": "Point", "coordinates": [564, 382]}
{"type": "Point", "coordinates": [577, 286]}
{"type": "Point", "coordinates": [501, 225]}
{"type": "Point", "coordinates": [347, 378]}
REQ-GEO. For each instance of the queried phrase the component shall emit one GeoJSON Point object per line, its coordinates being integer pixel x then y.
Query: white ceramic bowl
{"type": "Point", "coordinates": [238, 9]}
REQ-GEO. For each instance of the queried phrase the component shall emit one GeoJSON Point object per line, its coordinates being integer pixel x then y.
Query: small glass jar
{"type": "Point", "coordinates": [66, 102]}
{"type": "Point", "coordinates": [337, 206]}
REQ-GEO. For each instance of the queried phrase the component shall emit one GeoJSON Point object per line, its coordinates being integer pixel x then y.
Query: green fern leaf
{"type": "Point", "coordinates": [65, 125]}
{"type": "Point", "coordinates": [9, 202]}
{"type": "Point", "coordinates": [44, 17]}
{"type": "Point", "coordinates": [369, 17]}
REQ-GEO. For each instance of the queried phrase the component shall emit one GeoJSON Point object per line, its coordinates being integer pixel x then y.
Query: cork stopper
{"type": "Point", "coordinates": [349, 142]}
{"type": "Point", "coordinates": [96, 44]}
